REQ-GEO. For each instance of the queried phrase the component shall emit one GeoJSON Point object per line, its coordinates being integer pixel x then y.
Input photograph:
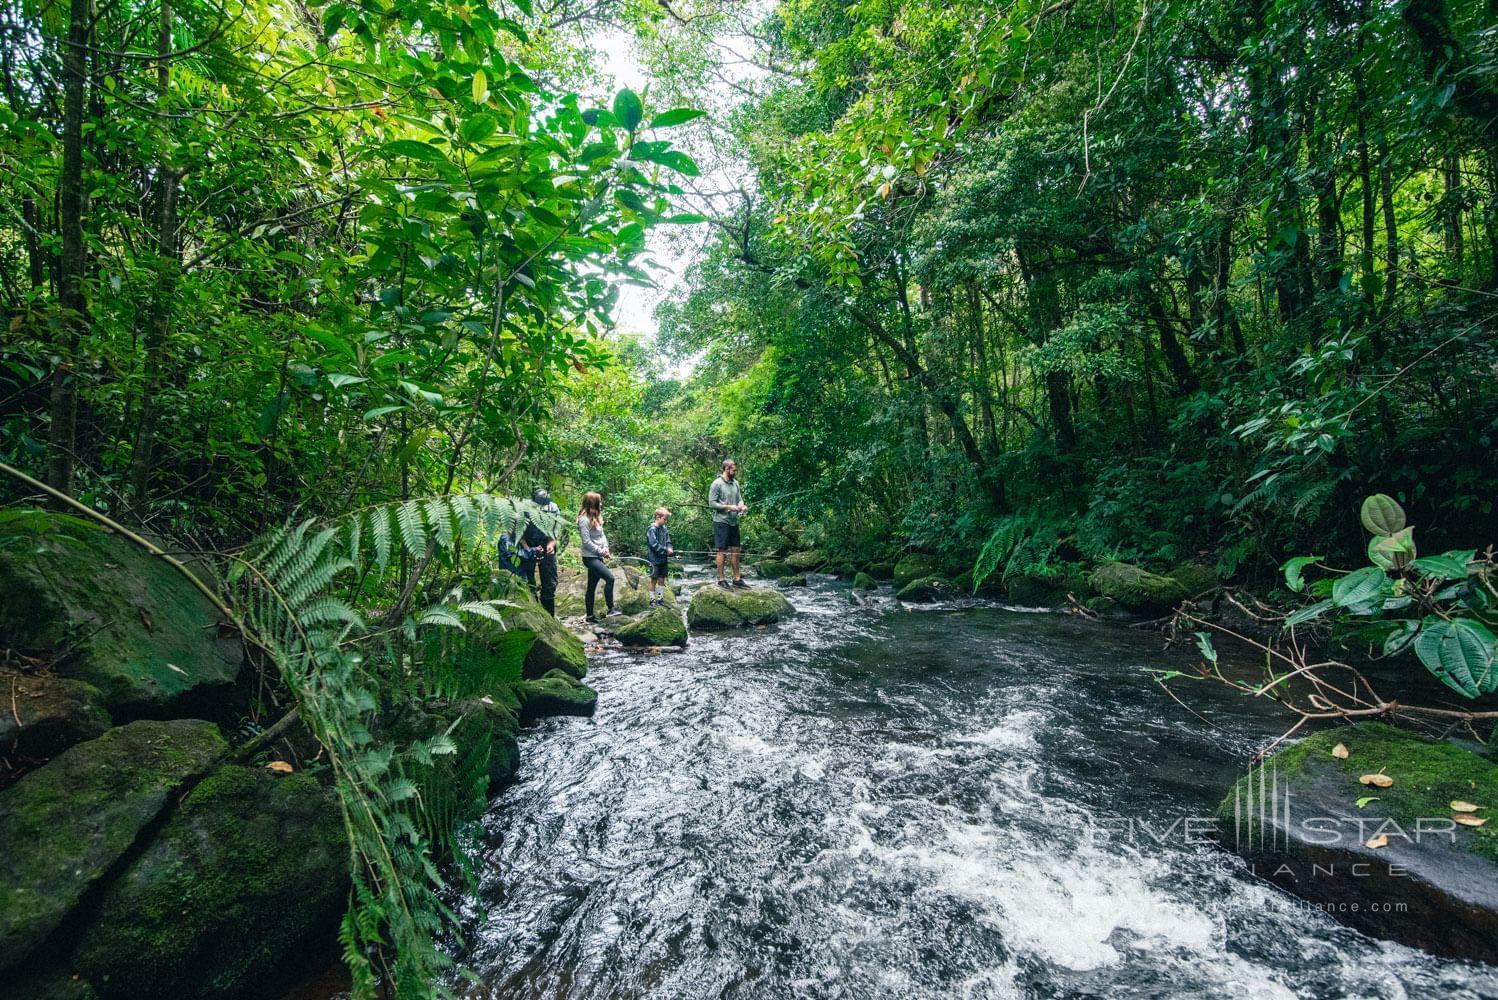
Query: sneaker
{"type": "Point", "coordinates": [611, 612]}
{"type": "Point", "coordinates": [591, 619]}
{"type": "Point", "coordinates": [741, 584]}
{"type": "Point", "coordinates": [656, 602]}
{"type": "Point", "coordinates": [725, 584]}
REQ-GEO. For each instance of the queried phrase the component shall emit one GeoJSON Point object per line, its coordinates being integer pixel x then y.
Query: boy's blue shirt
{"type": "Point", "coordinates": [657, 541]}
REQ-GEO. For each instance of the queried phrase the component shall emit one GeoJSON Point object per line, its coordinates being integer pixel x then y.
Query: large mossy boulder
{"type": "Point", "coordinates": [1035, 590]}
{"type": "Point", "coordinates": [715, 607]}
{"type": "Point", "coordinates": [555, 648]}
{"type": "Point", "coordinates": [794, 580]}
{"type": "Point", "coordinates": [863, 581]}
{"type": "Point", "coordinates": [773, 569]}
{"type": "Point", "coordinates": [926, 590]}
{"type": "Point", "coordinates": [113, 615]}
{"type": "Point", "coordinates": [557, 693]}
{"type": "Point", "coordinates": [1137, 589]}
{"type": "Point", "coordinates": [631, 597]}
{"type": "Point", "coordinates": [46, 714]}
{"type": "Point", "coordinates": [1299, 823]}
{"type": "Point", "coordinates": [802, 562]}
{"type": "Point", "coordinates": [660, 626]}
{"type": "Point", "coordinates": [226, 901]}
{"type": "Point", "coordinates": [880, 570]}
{"type": "Point", "coordinates": [65, 824]}
{"type": "Point", "coordinates": [914, 566]}
{"type": "Point", "coordinates": [1194, 578]}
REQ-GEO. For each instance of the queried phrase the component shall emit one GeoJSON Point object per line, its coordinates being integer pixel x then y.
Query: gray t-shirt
{"type": "Point", "coordinates": [722, 495]}
{"type": "Point", "coordinates": [595, 543]}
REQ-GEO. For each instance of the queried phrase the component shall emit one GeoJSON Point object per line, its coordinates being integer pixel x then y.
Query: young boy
{"type": "Point", "coordinates": [657, 551]}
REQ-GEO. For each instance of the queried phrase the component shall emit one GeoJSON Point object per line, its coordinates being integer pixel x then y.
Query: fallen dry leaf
{"type": "Point", "coordinates": [279, 767]}
{"type": "Point", "coordinates": [1458, 806]}
{"type": "Point", "coordinates": [1381, 840]}
{"type": "Point", "coordinates": [1467, 819]}
{"type": "Point", "coordinates": [1340, 751]}
{"type": "Point", "coordinates": [1379, 780]}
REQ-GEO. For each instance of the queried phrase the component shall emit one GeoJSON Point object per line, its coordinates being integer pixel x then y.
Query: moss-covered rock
{"type": "Point", "coordinates": [963, 582]}
{"type": "Point", "coordinates": [863, 581]}
{"type": "Point", "coordinates": [1137, 589]}
{"type": "Point", "coordinates": [1034, 590]}
{"type": "Point", "coordinates": [772, 569]}
{"type": "Point", "coordinates": [555, 647]}
{"type": "Point", "coordinates": [557, 693]}
{"type": "Point", "coordinates": [715, 607]}
{"type": "Point", "coordinates": [1194, 578]}
{"type": "Point", "coordinates": [1311, 836]}
{"type": "Point", "coordinates": [251, 867]}
{"type": "Point", "coordinates": [47, 714]}
{"type": "Point", "coordinates": [631, 598]}
{"type": "Point", "coordinates": [660, 626]}
{"type": "Point", "coordinates": [914, 566]}
{"type": "Point", "coordinates": [794, 580]}
{"type": "Point", "coordinates": [925, 590]}
{"type": "Point", "coordinates": [115, 616]}
{"type": "Point", "coordinates": [880, 570]}
{"type": "Point", "coordinates": [801, 562]}
{"type": "Point", "coordinates": [63, 825]}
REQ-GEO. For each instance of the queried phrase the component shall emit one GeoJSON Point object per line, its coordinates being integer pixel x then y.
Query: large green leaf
{"type": "Point", "coordinates": [1460, 653]}
{"type": "Point", "coordinates": [1360, 588]}
{"type": "Point", "coordinates": [676, 116]}
{"type": "Point", "coordinates": [628, 109]}
{"type": "Point", "coordinates": [1382, 514]}
{"type": "Point", "coordinates": [1447, 565]}
{"type": "Point", "coordinates": [1293, 569]}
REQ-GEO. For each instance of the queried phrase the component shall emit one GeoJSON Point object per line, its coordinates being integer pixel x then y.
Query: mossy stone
{"type": "Point", "coordinates": [634, 599]}
{"type": "Point", "coordinates": [555, 647]}
{"type": "Point", "coordinates": [1034, 590]}
{"type": "Point", "coordinates": [794, 580]}
{"type": "Point", "coordinates": [1194, 578]}
{"type": "Point", "coordinates": [715, 607]}
{"type": "Point", "coordinates": [800, 562]}
{"type": "Point", "coordinates": [880, 570]}
{"type": "Point", "coordinates": [1137, 589]}
{"type": "Point", "coordinates": [125, 621]}
{"type": "Point", "coordinates": [660, 626]}
{"type": "Point", "coordinates": [863, 581]}
{"type": "Point", "coordinates": [63, 825]}
{"type": "Point", "coordinates": [772, 569]}
{"type": "Point", "coordinates": [964, 582]}
{"type": "Point", "coordinates": [47, 714]}
{"type": "Point", "coordinates": [557, 693]}
{"type": "Point", "coordinates": [914, 566]}
{"type": "Point", "coordinates": [925, 590]}
{"type": "Point", "coordinates": [223, 903]}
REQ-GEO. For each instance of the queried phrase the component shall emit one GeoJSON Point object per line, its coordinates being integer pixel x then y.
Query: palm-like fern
{"type": "Point", "coordinates": [296, 592]}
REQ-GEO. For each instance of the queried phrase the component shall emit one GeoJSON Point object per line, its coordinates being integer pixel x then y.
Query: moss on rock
{"type": "Point", "coordinates": [47, 714]}
{"type": "Point", "coordinates": [925, 590]}
{"type": "Point", "coordinates": [1194, 578]}
{"type": "Point", "coordinates": [633, 598]}
{"type": "Point", "coordinates": [794, 580]}
{"type": "Point", "coordinates": [250, 868]}
{"type": "Point", "coordinates": [800, 562]}
{"type": "Point", "coordinates": [913, 567]}
{"type": "Point", "coordinates": [880, 570]}
{"type": "Point", "coordinates": [557, 693]}
{"type": "Point", "coordinates": [1137, 589]}
{"type": "Point", "coordinates": [863, 581]}
{"type": "Point", "coordinates": [717, 607]}
{"type": "Point", "coordinates": [658, 627]}
{"type": "Point", "coordinates": [555, 647]}
{"type": "Point", "coordinates": [772, 569]}
{"type": "Point", "coordinates": [123, 620]}
{"type": "Point", "coordinates": [64, 825]}
{"type": "Point", "coordinates": [1034, 590]}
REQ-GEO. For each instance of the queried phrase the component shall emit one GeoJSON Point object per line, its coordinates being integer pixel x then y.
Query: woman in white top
{"type": "Point", "coordinates": [595, 550]}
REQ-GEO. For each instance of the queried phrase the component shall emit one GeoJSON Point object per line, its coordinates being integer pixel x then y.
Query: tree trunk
{"type": "Point", "coordinates": [70, 272]}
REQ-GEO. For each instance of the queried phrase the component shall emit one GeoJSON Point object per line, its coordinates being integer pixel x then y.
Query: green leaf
{"type": "Point", "coordinates": [1447, 565]}
{"type": "Point", "coordinates": [1292, 570]}
{"type": "Point", "coordinates": [480, 87]}
{"type": "Point", "coordinates": [678, 161]}
{"type": "Point", "coordinates": [1309, 613]}
{"type": "Point", "coordinates": [380, 411]}
{"type": "Point", "coordinates": [1398, 640]}
{"type": "Point", "coordinates": [1204, 643]}
{"type": "Point", "coordinates": [674, 117]}
{"type": "Point", "coordinates": [340, 379]}
{"type": "Point", "coordinates": [1459, 653]}
{"type": "Point", "coordinates": [1382, 515]}
{"type": "Point", "coordinates": [1359, 587]}
{"type": "Point", "coordinates": [1392, 551]}
{"type": "Point", "coordinates": [628, 109]}
{"type": "Point", "coordinates": [414, 150]}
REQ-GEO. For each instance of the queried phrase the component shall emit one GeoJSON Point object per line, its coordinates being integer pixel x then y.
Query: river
{"type": "Point", "coordinates": [957, 800]}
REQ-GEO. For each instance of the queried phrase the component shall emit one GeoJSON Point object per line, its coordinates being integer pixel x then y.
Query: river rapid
{"type": "Point", "coordinates": [958, 800]}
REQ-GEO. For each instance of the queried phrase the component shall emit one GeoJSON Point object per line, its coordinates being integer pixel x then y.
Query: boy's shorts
{"type": "Point", "coordinates": [725, 536]}
{"type": "Point", "coordinates": [658, 572]}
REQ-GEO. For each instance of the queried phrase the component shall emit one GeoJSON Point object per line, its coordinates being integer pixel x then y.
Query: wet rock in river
{"type": "Point", "coordinates": [660, 626]}
{"type": "Point", "coordinates": [714, 607]}
{"type": "Point", "coordinates": [1137, 589]}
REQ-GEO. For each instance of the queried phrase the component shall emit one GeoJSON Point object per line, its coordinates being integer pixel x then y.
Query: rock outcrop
{"type": "Point", "coordinates": [1136, 589]}
{"type": "Point", "coordinates": [926, 590]}
{"type": "Point", "coordinates": [715, 607]}
{"type": "Point", "coordinates": [251, 866]}
{"type": "Point", "coordinates": [555, 647]}
{"type": "Point", "coordinates": [47, 714]}
{"type": "Point", "coordinates": [660, 626]}
{"type": "Point", "coordinates": [64, 825]}
{"type": "Point", "coordinates": [863, 581]}
{"type": "Point", "coordinates": [1302, 828]}
{"type": "Point", "coordinates": [914, 566]}
{"type": "Point", "coordinates": [557, 693]}
{"type": "Point", "coordinates": [110, 614]}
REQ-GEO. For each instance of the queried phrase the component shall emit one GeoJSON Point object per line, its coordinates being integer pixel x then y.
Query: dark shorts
{"type": "Point", "coordinates": [657, 571]}
{"type": "Point", "coordinates": [725, 536]}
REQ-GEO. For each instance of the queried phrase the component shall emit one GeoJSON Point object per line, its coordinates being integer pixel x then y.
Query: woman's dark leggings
{"type": "Point", "coordinates": [598, 571]}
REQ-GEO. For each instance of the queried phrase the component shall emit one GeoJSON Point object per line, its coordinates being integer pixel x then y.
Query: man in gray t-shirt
{"type": "Point", "coordinates": [727, 504]}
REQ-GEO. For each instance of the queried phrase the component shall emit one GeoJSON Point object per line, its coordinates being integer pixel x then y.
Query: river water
{"type": "Point", "coordinates": [958, 800]}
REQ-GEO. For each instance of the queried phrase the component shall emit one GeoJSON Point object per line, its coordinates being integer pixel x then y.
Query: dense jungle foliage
{"type": "Point", "coordinates": [1030, 285]}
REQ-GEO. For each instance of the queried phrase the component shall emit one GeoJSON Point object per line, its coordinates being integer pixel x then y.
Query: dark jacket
{"type": "Point", "coordinates": [534, 535]}
{"type": "Point", "coordinates": [657, 541]}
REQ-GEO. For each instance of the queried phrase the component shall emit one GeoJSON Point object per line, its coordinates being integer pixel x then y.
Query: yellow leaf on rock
{"type": "Point", "coordinates": [1376, 842]}
{"type": "Point", "coordinates": [1457, 805]}
{"type": "Point", "coordinates": [1467, 819]}
{"type": "Point", "coordinates": [1339, 751]}
{"type": "Point", "coordinates": [1377, 780]}
{"type": "Point", "coordinates": [279, 767]}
